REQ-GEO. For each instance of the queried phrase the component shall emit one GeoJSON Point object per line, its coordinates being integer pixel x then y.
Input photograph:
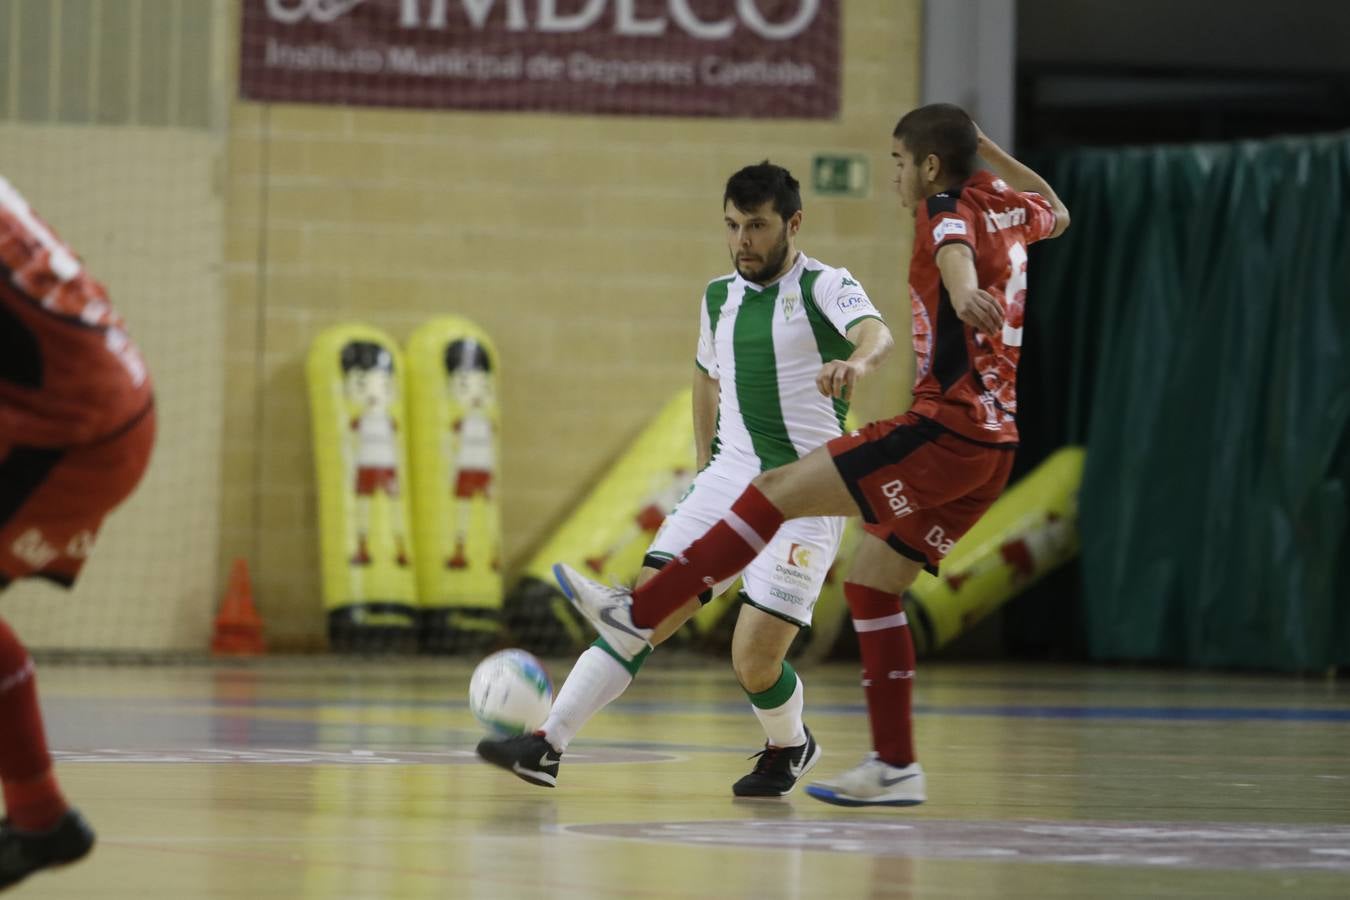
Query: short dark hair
{"type": "Point", "coordinates": [365, 356]}
{"type": "Point", "coordinates": [943, 130]}
{"type": "Point", "coordinates": [754, 186]}
{"type": "Point", "coordinates": [467, 354]}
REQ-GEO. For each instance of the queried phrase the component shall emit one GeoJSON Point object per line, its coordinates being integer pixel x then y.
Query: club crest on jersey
{"type": "Point", "coordinates": [789, 305]}
{"type": "Point", "coordinates": [948, 227]}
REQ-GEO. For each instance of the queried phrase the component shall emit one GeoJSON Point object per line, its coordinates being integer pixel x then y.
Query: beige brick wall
{"type": "Point", "coordinates": [580, 243]}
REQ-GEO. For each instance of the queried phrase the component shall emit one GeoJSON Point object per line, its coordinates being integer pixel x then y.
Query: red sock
{"type": "Point", "coordinates": [32, 799]}
{"type": "Point", "coordinates": [888, 670]}
{"type": "Point", "coordinates": [724, 550]}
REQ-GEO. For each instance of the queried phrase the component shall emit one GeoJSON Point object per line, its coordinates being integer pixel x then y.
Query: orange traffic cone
{"type": "Point", "coordinates": [238, 625]}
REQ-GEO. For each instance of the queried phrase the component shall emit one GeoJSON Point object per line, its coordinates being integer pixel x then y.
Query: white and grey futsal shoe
{"type": "Point", "coordinates": [609, 609]}
{"type": "Point", "coordinates": [874, 783]}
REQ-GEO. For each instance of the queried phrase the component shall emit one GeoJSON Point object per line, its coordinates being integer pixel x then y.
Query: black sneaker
{"type": "Point", "coordinates": [24, 852]}
{"type": "Point", "coordinates": [530, 756]}
{"type": "Point", "coordinates": [778, 769]}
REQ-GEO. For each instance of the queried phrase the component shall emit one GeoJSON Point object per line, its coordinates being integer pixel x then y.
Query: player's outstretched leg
{"type": "Point", "coordinates": [596, 680]}
{"type": "Point", "coordinates": [39, 830]}
{"type": "Point", "coordinates": [627, 619]}
{"type": "Point", "coordinates": [607, 608]}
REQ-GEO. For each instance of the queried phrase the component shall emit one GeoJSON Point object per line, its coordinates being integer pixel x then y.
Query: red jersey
{"type": "Point", "coordinates": [68, 372]}
{"type": "Point", "coordinates": [967, 380]}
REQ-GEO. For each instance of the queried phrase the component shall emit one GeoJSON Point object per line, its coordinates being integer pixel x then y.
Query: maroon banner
{"type": "Point", "coordinates": [735, 58]}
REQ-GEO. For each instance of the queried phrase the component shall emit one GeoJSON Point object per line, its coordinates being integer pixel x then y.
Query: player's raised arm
{"type": "Point", "coordinates": [1021, 177]}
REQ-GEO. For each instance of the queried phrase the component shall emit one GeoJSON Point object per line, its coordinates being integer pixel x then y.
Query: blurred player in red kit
{"type": "Point", "coordinates": [919, 480]}
{"type": "Point", "coordinates": [77, 425]}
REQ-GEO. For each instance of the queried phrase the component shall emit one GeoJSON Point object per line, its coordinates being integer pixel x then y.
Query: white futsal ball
{"type": "Point", "coordinates": [510, 693]}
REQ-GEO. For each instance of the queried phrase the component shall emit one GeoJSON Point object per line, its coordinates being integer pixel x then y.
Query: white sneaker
{"type": "Point", "coordinates": [609, 609]}
{"type": "Point", "coordinates": [874, 783]}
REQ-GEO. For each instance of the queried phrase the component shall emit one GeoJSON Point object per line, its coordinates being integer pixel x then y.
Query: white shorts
{"type": "Point", "coordinates": [785, 578]}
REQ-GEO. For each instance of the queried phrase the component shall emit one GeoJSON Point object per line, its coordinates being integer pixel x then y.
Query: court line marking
{"type": "Point", "coordinates": [707, 832]}
{"type": "Point", "coordinates": [1018, 711]}
{"type": "Point", "coordinates": [451, 875]}
{"type": "Point", "coordinates": [293, 756]}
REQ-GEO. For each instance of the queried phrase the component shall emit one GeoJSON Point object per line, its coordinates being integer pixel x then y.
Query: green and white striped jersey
{"type": "Point", "coordinates": [766, 346]}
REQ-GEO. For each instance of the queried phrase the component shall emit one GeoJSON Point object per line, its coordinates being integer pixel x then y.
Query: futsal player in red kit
{"type": "Point", "coordinates": [920, 480]}
{"type": "Point", "coordinates": [77, 425]}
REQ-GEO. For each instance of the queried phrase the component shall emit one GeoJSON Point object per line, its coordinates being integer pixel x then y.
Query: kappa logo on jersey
{"type": "Point", "coordinates": [948, 227]}
{"type": "Point", "coordinates": [898, 502]}
{"type": "Point", "coordinates": [849, 282]}
{"type": "Point", "coordinates": [32, 548]}
{"type": "Point", "coordinates": [937, 539]}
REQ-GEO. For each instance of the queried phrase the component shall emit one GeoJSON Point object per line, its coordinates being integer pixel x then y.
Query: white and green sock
{"type": "Point", "coordinates": [596, 681]}
{"type": "Point", "coordinates": [779, 709]}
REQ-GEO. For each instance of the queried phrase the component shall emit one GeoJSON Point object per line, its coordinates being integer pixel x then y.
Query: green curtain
{"type": "Point", "coordinates": [1193, 329]}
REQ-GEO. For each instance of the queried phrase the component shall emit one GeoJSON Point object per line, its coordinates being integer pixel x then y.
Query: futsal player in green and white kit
{"type": "Point", "coordinates": [782, 342]}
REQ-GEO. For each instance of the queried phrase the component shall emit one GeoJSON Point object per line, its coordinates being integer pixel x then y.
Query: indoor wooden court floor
{"type": "Point", "coordinates": [335, 779]}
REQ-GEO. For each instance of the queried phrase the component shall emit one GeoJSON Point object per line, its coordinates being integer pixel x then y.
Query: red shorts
{"type": "Point", "coordinates": [53, 501]}
{"type": "Point", "coordinates": [920, 487]}
{"type": "Point", "coordinates": [472, 483]}
{"type": "Point", "coordinates": [372, 478]}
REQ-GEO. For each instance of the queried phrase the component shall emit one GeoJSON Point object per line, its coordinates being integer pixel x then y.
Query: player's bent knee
{"type": "Point", "coordinates": [757, 675]}
{"type": "Point", "coordinates": [757, 669]}
{"type": "Point", "coordinates": [655, 562]}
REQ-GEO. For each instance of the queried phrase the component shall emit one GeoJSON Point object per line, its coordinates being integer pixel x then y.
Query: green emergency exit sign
{"type": "Point", "coordinates": [840, 175]}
